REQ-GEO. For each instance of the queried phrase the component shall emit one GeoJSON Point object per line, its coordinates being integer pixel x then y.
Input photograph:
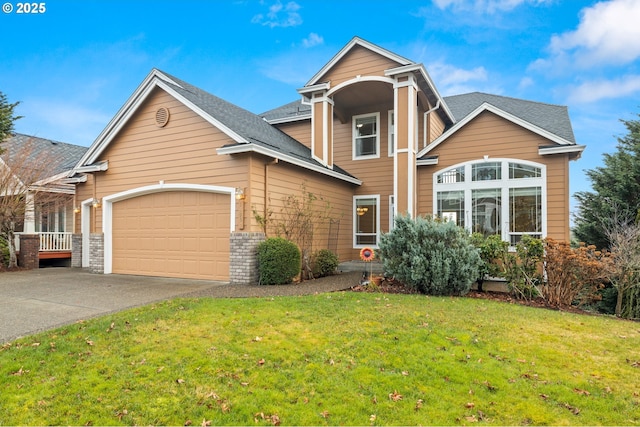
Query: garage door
{"type": "Point", "coordinates": [172, 234]}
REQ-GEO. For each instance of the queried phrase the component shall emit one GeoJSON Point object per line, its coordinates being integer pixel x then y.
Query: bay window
{"type": "Point", "coordinates": [497, 196]}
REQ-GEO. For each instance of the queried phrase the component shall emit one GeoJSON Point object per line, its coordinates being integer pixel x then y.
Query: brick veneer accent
{"type": "Point", "coordinates": [96, 253]}
{"type": "Point", "coordinates": [76, 250]}
{"type": "Point", "coordinates": [244, 258]}
{"type": "Point", "coordinates": [29, 256]}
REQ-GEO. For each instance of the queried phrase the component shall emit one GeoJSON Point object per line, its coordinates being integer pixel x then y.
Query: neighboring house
{"type": "Point", "coordinates": [37, 172]}
{"type": "Point", "coordinates": [174, 180]}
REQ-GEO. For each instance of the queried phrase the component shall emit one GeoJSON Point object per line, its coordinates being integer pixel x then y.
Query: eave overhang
{"type": "Point", "coordinates": [254, 148]}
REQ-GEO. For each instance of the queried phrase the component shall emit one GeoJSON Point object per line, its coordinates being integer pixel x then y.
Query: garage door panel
{"type": "Point", "coordinates": [173, 234]}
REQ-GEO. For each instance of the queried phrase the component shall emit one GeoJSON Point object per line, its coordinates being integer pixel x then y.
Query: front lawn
{"type": "Point", "coordinates": [328, 359]}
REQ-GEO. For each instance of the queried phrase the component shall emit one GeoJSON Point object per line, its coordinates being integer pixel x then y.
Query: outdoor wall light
{"type": "Point", "coordinates": [95, 203]}
{"type": "Point", "coordinates": [240, 193]}
{"type": "Point", "coordinates": [76, 209]}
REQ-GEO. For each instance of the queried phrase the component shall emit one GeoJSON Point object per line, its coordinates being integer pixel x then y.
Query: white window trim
{"type": "Point", "coordinates": [355, 219]}
{"type": "Point", "coordinates": [353, 136]}
{"type": "Point", "coordinates": [503, 184]}
{"type": "Point", "coordinates": [391, 134]}
{"type": "Point", "coordinates": [392, 214]}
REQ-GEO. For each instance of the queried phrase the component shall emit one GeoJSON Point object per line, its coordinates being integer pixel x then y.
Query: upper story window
{"type": "Point", "coordinates": [486, 171]}
{"type": "Point", "coordinates": [391, 133]}
{"type": "Point", "coordinates": [366, 136]}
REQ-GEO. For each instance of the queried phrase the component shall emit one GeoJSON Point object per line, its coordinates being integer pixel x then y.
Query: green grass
{"type": "Point", "coordinates": [329, 359]}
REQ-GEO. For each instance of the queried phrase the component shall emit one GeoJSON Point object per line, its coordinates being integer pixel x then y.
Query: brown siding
{"type": "Point", "coordinates": [358, 61]}
{"type": "Point", "coordinates": [184, 151]}
{"type": "Point", "coordinates": [489, 134]}
{"type": "Point", "coordinates": [300, 131]}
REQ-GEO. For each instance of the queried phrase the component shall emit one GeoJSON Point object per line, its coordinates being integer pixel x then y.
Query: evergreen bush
{"type": "Point", "coordinates": [278, 261]}
{"type": "Point", "coordinates": [325, 263]}
{"type": "Point", "coordinates": [432, 257]}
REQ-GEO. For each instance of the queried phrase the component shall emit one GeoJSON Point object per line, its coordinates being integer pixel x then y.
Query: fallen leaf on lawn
{"type": "Point", "coordinates": [180, 381]}
{"type": "Point", "coordinates": [395, 396]}
{"type": "Point", "coordinates": [471, 418]}
{"type": "Point", "coordinates": [573, 409]}
{"type": "Point", "coordinates": [469, 405]}
{"type": "Point", "coordinates": [324, 414]}
{"type": "Point", "coordinates": [419, 404]}
{"type": "Point", "coordinates": [405, 373]}
{"type": "Point", "coordinates": [261, 362]}
{"type": "Point", "coordinates": [582, 392]}
{"type": "Point", "coordinates": [256, 339]}
{"type": "Point", "coordinates": [331, 362]}
{"type": "Point", "coordinates": [121, 414]}
{"type": "Point", "coordinates": [35, 344]}
{"type": "Point", "coordinates": [89, 342]}
{"type": "Point", "coordinates": [160, 369]}
{"type": "Point", "coordinates": [110, 328]}
{"type": "Point", "coordinates": [544, 396]}
{"type": "Point", "coordinates": [244, 384]}
{"type": "Point", "coordinates": [521, 360]}
{"type": "Point", "coordinates": [489, 386]}
{"type": "Point", "coordinates": [188, 423]}
{"type": "Point", "coordinates": [205, 422]}
{"type": "Point", "coordinates": [372, 418]}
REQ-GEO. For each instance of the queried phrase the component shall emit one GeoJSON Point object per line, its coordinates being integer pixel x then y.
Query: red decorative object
{"type": "Point", "coordinates": [367, 254]}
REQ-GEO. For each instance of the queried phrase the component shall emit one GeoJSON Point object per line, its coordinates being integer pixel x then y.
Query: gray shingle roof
{"type": "Point", "coordinates": [248, 125]}
{"type": "Point", "coordinates": [63, 156]}
{"type": "Point", "coordinates": [552, 118]}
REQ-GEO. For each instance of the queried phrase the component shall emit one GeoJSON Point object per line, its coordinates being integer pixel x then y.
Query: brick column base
{"type": "Point", "coordinates": [29, 256]}
{"type": "Point", "coordinates": [96, 253]}
{"type": "Point", "coordinates": [76, 250]}
{"type": "Point", "coordinates": [243, 268]}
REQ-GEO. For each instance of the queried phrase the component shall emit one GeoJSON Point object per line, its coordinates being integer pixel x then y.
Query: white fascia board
{"type": "Point", "coordinates": [562, 149]}
{"type": "Point", "coordinates": [75, 179]}
{"type": "Point", "coordinates": [505, 115]}
{"type": "Point", "coordinates": [357, 41]}
{"type": "Point", "coordinates": [95, 167]}
{"type": "Point", "coordinates": [289, 119]}
{"type": "Point", "coordinates": [412, 68]}
{"type": "Point", "coordinates": [153, 80]}
{"type": "Point", "coordinates": [314, 88]}
{"type": "Point", "coordinates": [245, 148]}
{"type": "Point", "coordinates": [427, 162]}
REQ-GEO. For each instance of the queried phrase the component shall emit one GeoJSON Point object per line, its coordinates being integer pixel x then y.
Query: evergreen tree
{"type": "Point", "coordinates": [7, 117]}
{"type": "Point", "coordinates": [615, 189]}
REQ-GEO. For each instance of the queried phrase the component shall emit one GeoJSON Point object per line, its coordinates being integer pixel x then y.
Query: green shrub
{"type": "Point", "coordinates": [523, 270]}
{"type": "Point", "coordinates": [325, 263]}
{"type": "Point", "coordinates": [435, 258]}
{"type": "Point", "coordinates": [492, 253]}
{"type": "Point", "coordinates": [278, 261]}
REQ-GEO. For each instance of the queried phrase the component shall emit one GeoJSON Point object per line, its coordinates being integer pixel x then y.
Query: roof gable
{"type": "Point", "coordinates": [356, 41]}
{"type": "Point", "coordinates": [243, 127]}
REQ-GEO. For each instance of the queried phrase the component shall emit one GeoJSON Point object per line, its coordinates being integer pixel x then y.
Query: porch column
{"type": "Point", "coordinates": [29, 214]}
{"type": "Point", "coordinates": [322, 128]}
{"type": "Point", "coordinates": [406, 136]}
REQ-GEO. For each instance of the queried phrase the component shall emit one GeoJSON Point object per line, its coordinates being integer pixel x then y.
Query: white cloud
{"type": "Point", "coordinates": [608, 33]}
{"type": "Point", "coordinates": [605, 89]}
{"type": "Point", "coordinates": [280, 15]}
{"type": "Point", "coordinates": [313, 40]}
{"type": "Point", "coordinates": [486, 6]}
{"type": "Point", "coordinates": [452, 80]}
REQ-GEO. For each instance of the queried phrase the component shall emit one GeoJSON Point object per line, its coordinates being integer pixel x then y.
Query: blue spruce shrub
{"type": "Point", "coordinates": [432, 257]}
{"type": "Point", "coordinates": [278, 261]}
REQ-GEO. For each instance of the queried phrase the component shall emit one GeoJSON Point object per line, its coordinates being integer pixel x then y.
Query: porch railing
{"type": "Point", "coordinates": [56, 241]}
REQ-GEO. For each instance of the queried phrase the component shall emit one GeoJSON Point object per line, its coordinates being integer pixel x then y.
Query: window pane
{"type": "Point", "coordinates": [451, 206]}
{"type": "Point", "coordinates": [525, 210]}
{"type": "Point", "coordinates": [366, 126]}
{"type": "Point", "coordinates": [366, 146]}
{"type": "Point", "coordinates": [486, 208]}
{"type": "Point", "coordinates": [518, 170]}
{"type": "Point", "coordinates": [366, 221]}
{"type": "Point", "coordinates": [486, 171]}
{"type": "Point", "coordinates": [451, 176]}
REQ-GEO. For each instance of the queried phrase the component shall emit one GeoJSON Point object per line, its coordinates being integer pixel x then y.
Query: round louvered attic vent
{"type": "Point", "coordinates": [162, 116]}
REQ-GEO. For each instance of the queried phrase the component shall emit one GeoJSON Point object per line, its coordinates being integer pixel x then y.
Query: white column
{"type": "Point", "coordinates": [30, 214]}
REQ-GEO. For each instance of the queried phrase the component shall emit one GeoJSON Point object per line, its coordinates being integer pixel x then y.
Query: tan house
{"type": "Point", "coordinates": [175, 178]}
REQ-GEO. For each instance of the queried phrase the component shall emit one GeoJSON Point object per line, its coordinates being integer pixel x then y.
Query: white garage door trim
{"type": "Point", "coordinates": [108, 201]}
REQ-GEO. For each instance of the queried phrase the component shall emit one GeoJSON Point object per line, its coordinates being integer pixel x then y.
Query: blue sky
{"type": "Point", "coordinates": [73, 66]}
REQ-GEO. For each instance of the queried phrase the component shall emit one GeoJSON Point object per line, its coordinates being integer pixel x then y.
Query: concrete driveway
{"type": "Point", "coordinates": [36, 300]}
